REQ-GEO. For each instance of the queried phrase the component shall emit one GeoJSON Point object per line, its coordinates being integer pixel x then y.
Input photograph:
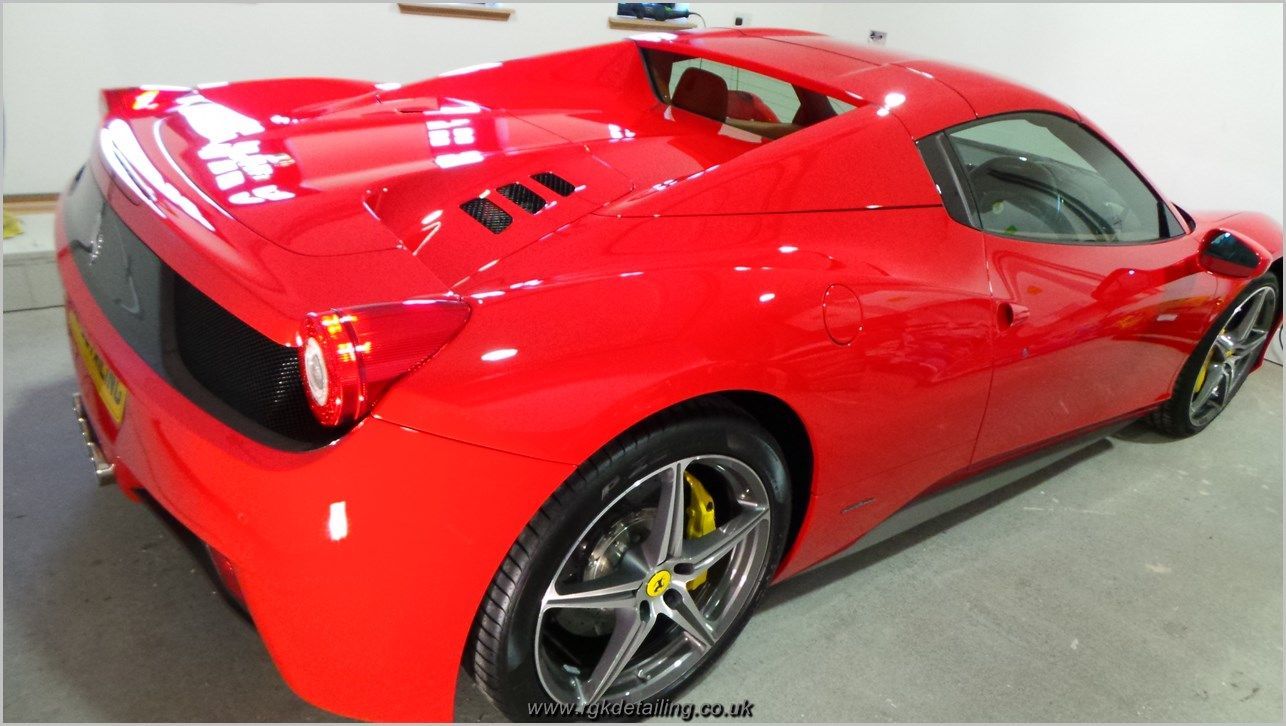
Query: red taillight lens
{"type": "Point", "coordinates": [348, 357]}
{"type": "Point", "coordinates": [328, 360]}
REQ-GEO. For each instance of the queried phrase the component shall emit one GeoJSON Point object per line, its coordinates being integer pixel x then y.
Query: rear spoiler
{"type": "Point", "coordinates": [137, 101]}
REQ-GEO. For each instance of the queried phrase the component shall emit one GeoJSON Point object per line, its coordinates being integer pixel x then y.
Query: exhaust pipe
{"type": "Point", "coordinates": [104, 470]}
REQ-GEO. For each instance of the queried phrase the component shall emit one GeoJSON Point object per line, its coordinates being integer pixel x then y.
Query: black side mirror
{"type": "Point", "coordinates": [1224, 253]}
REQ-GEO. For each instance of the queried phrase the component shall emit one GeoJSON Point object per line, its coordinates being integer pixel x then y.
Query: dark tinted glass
{"type": "Point", "coordinates": [1044, 177]}
{"type": "Point", "coordinates": [765, 106]}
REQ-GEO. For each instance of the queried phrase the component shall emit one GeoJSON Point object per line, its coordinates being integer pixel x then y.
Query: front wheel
{"type": "Point", "coordinates": [1221, 362]}
{"type": "Point", "coordinates": [638, 571]}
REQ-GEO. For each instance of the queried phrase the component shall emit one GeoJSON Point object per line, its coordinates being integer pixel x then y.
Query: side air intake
{"type": "Point", "coordinates": [488, 214]}
{"type": "Point", "coordinates": [554, 183]}
{"type": "Point", "coordinates": [523, 197]}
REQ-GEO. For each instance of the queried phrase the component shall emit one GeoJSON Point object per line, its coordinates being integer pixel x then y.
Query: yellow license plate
{"type": "Point", "coordinates": [110, 389]}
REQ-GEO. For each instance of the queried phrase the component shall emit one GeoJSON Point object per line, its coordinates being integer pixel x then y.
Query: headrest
{"type": "Point", "coordinates": [747, 106]}
{"type": "Point", "coordinates": [702, 92]}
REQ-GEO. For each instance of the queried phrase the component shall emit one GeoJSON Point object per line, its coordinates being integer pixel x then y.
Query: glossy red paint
{"type": "Point", "coordinates": [820, 270]}
{"type": "Point", "coordinates": [1088, 313]}
{"type": "Point", "coordinates": [340, 553]}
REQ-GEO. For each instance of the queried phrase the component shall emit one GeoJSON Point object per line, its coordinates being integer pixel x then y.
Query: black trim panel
{"type": "Point", "coordinates": [206, 353]}
{"type": "Point", "coordinates": [930, 506]}
{"type": "Point", "coordinates": [943, 168]}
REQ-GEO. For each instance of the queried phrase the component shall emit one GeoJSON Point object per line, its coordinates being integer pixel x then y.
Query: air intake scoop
{"type": "Point", "coordinates": [458, 220]}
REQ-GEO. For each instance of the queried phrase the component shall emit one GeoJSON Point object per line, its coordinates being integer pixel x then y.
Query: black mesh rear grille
{"type": "Point", "coordinates": [251, 374]}
{"type": "Point", "coordinates": [555, 183]}
{"type": "Point", "coordinates": [523, 197]}
{"type": "Point", "coordinates": [488, 214]}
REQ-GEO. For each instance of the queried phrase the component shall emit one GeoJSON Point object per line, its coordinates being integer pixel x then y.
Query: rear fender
{"type": "Point", "coordinates": [555, 369]}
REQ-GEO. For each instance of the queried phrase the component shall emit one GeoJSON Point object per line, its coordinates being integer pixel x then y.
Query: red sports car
{"type": "Point", "coordinates": [550, 367]}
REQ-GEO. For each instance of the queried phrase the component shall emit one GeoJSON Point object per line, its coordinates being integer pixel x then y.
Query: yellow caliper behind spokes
{"type": "Point", "coordinates": [698, 518]}
{"type": "Point", "coordinates": [1205, 367]}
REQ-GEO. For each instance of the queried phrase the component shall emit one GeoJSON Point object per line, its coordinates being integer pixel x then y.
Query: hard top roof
{"type": "Point", "coordinates": [926, 95]}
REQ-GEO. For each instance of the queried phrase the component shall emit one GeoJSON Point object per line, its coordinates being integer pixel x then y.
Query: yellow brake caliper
{"type": "Point", "coordinates": [1201, 376]}
{"type": "Point", "coordinates": [698, 518]}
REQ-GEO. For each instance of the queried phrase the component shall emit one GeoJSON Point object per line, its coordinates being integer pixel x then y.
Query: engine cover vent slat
{"type": "Point", "coordinates": [488, 214]}
{"type": "Point", "coordinates": [523, 197]}
{"type": "Point", "coordinates": [555, 183]}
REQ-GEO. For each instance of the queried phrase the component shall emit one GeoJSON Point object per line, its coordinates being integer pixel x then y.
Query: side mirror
{"type": "Point", "coordinates": [1224, 253]}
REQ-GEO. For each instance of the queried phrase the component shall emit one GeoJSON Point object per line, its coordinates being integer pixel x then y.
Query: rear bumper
{"type": "Point", "coordinates": [362, 562]}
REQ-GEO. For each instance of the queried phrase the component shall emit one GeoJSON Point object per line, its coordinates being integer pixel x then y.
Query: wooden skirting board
{"type": "Point", "coordinates": [30, 203]}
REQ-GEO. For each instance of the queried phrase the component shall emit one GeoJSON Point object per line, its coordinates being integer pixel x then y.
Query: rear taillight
{"type": "Point", "coordinates": [348, 357]}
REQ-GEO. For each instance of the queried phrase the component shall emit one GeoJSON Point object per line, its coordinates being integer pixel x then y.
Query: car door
{"type": "Point", "coordinates": [1097, 292]}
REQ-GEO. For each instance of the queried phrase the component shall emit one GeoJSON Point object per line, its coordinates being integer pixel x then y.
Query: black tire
{"type": "Point", "coordinates": [1174, 417]}
{"type": "Point", "coordinates": [501, 653]}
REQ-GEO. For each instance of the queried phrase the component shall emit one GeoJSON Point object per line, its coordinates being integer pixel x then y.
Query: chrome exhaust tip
{"type": "Point", "coordinates": [103, 470]}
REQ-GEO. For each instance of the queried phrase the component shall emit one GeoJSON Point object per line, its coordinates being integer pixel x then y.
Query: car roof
{"type": "Point", "coordinates": [926, 95]}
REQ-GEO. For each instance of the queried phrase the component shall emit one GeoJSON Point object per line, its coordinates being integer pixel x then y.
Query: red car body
{"type": "Point", "coordinates": [817, 278]}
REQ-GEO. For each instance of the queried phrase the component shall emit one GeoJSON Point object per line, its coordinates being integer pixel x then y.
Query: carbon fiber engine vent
{"type": "Point", "coordinates": [488, 214]}
{"type": "Point", "coordinates": [523, 197]}
{"type": "Point", "coordinates": [555, 183]}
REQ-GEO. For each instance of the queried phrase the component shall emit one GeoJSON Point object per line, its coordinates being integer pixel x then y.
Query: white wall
{"type": "Point", "coordinates": [1193, 92]}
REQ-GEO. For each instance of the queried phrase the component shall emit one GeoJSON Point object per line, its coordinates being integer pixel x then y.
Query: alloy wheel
{"type": "Point", "coordinates": [646, 594]}
{"type": "Point", "coordinates": [1232, 355]}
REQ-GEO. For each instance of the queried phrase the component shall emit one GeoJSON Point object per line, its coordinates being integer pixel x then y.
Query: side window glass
{"type": "Point", "coordinates": [1046, 178]}
{"type": "Point", "coordinates": [762, 105]}
{"type": "Point", "coordinates": [751, 96]}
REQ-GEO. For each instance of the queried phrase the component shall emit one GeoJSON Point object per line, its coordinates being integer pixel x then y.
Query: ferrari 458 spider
{"type": "Point", "coordinates": [550, 367]}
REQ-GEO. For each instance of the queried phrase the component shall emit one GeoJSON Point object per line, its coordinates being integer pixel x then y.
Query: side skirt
{"type": "Point", "coordinates": [930, 506]}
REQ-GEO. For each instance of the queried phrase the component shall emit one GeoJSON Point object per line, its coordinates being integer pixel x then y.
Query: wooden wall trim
{"type": "Point", "coordinates": [475, 11]}
{"type": "Point", "coordinates": [30, 203]}
{"type": "Point", "coordinates": [24, 198]}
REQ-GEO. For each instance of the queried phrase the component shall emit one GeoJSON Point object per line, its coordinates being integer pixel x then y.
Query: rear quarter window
{"type": "Point", "coordinates": [745, 99]}
{"type": "Point", "coordinates": [778, 96]}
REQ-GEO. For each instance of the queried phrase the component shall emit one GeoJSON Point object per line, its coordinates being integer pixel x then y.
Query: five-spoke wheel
{"type": "Point", "coordinates": [640, 569]}
{"type": "Point", "coordinates": [661, 597]}
{"type": "Point", "coordinates": [1233, 353]}
{"type": "Point", "coordinates": [1215, 371]}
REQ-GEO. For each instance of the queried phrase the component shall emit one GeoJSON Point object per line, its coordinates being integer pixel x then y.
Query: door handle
{"type": "Point", "coordinates": [1011, 314]}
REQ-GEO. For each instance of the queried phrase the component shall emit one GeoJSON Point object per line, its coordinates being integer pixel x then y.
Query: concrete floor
{"type": "Point", "coordinates": [1139, 581]}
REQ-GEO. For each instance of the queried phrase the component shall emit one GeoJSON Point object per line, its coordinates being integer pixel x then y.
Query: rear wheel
{"type": "Point", "coordinates": [1220, 364]}
{"type": "Point", "coordinates": [639, 570]}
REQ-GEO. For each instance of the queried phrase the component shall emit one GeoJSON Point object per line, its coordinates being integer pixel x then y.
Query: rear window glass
{"type": "Point", "coordinates": [750, 101]}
